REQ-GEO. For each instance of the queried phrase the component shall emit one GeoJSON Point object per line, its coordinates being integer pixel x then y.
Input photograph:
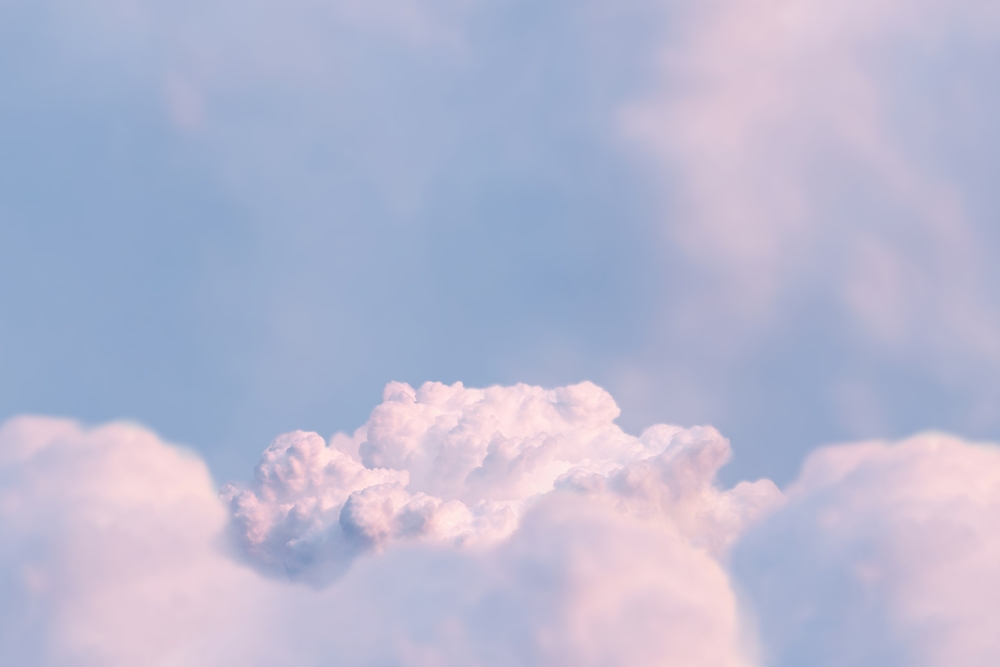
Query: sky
{"type": "Point", "coordinates": [660, 256]}
{"type": "Point", "coordinates": [228, 221]}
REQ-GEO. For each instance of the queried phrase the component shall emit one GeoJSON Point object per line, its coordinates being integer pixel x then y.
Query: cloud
{"type": "Point", "coordinates": [447, 464]}
{"type": "Point", "coordinates": [554, 538]}
{"type": "Point", "coordinates": [805, 150]}
{"type": "Point", "coordinates": [885, 554]}
{"type": "Point", "coordinates": [576, 584]}
{"type": "Point", "coordinates": [384, 547]}
{"type": "Point", "coordinates": [110, 552]}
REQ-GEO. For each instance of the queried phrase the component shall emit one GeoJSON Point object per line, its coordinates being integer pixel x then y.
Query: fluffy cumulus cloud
{"type": "Point", "coordinates": [110, 552]}
{"type": "Point", "coordinates": [512, 525]}
{"type": "Point", "coordinates": [884, 554]}
{"type": "Point", "coordinates": [461, 466]}
{"type": "Point", "coordinates": [509, 525]}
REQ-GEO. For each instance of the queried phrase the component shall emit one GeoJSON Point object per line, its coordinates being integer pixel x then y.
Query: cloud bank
{"type": "Point", "coordinates": [509, 525]}
{"type": "Point", "coordinates": [883, 554]}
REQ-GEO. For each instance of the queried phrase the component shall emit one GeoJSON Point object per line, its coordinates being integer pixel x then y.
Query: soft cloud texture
{"type": "Point", "coordinates": [612, 550]}
{"type": "Point", "coordinates": [771, 112]}
{"type": "Point", "coordinates": [817, 162]}
{"type": "Point", "coordinates": [884, 554]}
{"type": "Point", "coordinates": [110, 552]}
{"type": "Point", "coordinates": [115, 549]}
{"type": "Point", "coordinates": [461, 466]}
{"type": "Point", "coordinates": [233, 219]}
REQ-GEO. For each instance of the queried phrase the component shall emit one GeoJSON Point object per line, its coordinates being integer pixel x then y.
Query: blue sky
{"type": "Point", "coordinates": [772, 221]}
{"type": "Point", "coordinates": [226, 221]}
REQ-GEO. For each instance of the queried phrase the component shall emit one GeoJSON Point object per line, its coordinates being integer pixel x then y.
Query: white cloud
{"type": "Point", "coordinates": [555, 539]}
{"type": "Point", "coordinates": [110, 552]}
{"type": "Point", "coordinates": [577, 584]}
{"type": "Point", "coordinates": [114, 548]}
{"type": "Point", "coordinates": [885, 554]}
{"type": "Point", "coordinates": [456, 465]}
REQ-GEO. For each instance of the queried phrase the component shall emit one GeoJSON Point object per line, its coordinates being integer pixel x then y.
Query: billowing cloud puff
{"type": "Point", "coordinates": [456, 465]}
{"type": "Point", "coordinates": [576, 584]}
{"type": "Point", "coordinates": [884, 555]}
{"type": "Point", "coordinates": [110, 552]}
{"type": "Point", "coordinates": [511, 525]}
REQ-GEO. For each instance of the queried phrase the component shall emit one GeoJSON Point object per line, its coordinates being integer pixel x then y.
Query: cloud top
{"type": "Point", "coordinates": [456, 465]}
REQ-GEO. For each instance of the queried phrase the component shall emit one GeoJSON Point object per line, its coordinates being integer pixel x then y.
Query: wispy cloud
{"type": "Point", "coordinates": [794, 144]}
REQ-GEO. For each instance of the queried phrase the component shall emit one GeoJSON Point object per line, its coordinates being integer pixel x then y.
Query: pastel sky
{"type": "Point", "coordinates": [771, 223]}
{"type": "Point", "coordinates": [226, 221]}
